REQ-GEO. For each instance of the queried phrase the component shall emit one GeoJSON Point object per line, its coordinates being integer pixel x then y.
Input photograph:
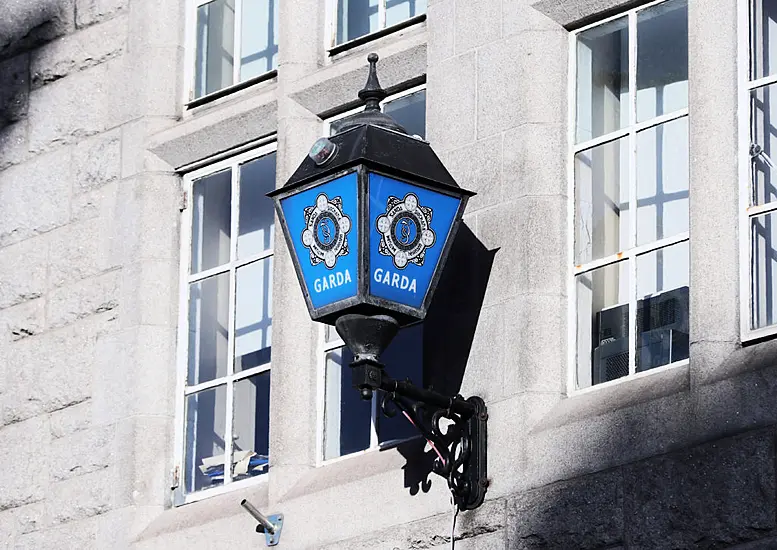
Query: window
{"type": "Point", "coordinates": [629, 283]}
{"type": "Point", "coordinates": [356, 18]}
{"type": "Point", "coordinates": [349, 423]}
{"type": "Point", "coordinates": [759, 217]}
{"type": "Point", "coordinates": [235, 41]}
{"type": "Point", "coordinates": [225, 333]}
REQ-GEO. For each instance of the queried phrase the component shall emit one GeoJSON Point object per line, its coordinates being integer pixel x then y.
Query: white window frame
{"type": "Point", "coordinates": [325, 347]}
{"type": "Point", "coordinates": [179, 495]}
{"type": "Point", "coordinates": [332, 14]}
{"type": "Point", "coordinates": [747, 212]}
{"type": "Point", "coordinates": [190, 41]}
{"type": "Point", "coordinates": [630, 254]}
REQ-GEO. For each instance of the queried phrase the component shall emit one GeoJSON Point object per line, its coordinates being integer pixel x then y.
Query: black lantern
{"type": "Point", "coordinates": [369, 217]}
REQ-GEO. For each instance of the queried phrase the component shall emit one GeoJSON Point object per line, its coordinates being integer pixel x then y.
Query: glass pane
{"type": "Point", "coordinates": [662, 307]}
{"type": "Point", "coordinates": [211, 220]}
{"type": "Point", "coordinates": [356, 18]}
{"type": "Point", "coordinates": [662, 59]}
{"type": "Point", "coordinates": [251, 426]}
{"type": "Point", "coordinates": [330, 334]}
{"type": "Point", "coordinates": [662, 181]}
{"type": "Point", "coordinates": [602, 325]}
{"type": "Point", "coordinates": [763, 131]}
{"type": "Point", "coordinates": [253, 315]}
{"type": "Point", "coordinates": [259, 38]}
{"type": "Point", "coordinates": [601, 201]}
{"type": "Point", "coordinates": [347, 417]}
{"type": "Point", "coordinates": [409, 112]}
{"type": "Point", "coordinates": [257, 214]}
{"type": "Point", "coordinates": [763, 27]}
{"type": "Point", "coordinates": [763, 270]}
{"type": "Point", "coordinates": [403, 360]}
{"type": "Point", "coordinates": [215, 44]}
{"type": "Point", "coordinates": [208, 329]}
{"type": "Point", "coordinates": [399, 10]}
{"type": "Point", "coordinates": [602, 79]}
{"type": "Point", "coordinates": [205, 427]}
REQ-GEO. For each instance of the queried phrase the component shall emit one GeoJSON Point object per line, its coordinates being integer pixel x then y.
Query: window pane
{"type": "Point", "coordinates": [409, 112]}
{"type": "Point", "coordinates": [602, 325]}
{"type": "Point", "coordinates": [601, 201]}
{"type": "Point", "coordinates": [208, 329]}
{"type": "Point", "coordinates": [662, 307]}
{"type": "Point", "coordinates": [205, 427]}
{"type": "Point", "coordinates": [257, 214]}
{"type": "Point", "coordinates": [215, 42]}
{"type": "Point", "coordinates": [763, 28]}
{"type": "Point", "coordinates": [251, 426]}
{"type": "Point", "coordinates": [602, 79]}
{"type": "Point", "coordinates": [259, 38]}
{"type": "Point", "coordinates": [253, 315]}
{"type": "Point", "coordinates": [211, 220]}
{"type": "Point", "coordinates": [403, 360]}
{"type": "Point", "coordinates": [399, 10]}
{"type": "Point", "coordinates": [763, 128]}
{"type": "Point", "coordinates": [763, 270]}
{"type": "Point", "coordinates": [662, 181]}
{"type": "Point", "coordinates": [662, 59]}
{"type": "Point", "coordinates": [347, 417]}
{"type": "Point", "coordinates": [356, 18]}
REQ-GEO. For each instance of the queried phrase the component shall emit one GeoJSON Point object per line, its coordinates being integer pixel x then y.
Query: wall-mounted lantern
{"type": "Point", "coordinates": [370, 217]}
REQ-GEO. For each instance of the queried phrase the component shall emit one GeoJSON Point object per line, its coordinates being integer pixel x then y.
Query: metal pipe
{"type": "Point", "coordinates": [258, 516]}
{"type": "Point", "coordinates": [406, 389]}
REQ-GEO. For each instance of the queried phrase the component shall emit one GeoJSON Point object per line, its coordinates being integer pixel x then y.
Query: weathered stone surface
{"type": "Point", "coordinates": [81, 453]}
{"type": "Point", "coordinates": [712, 496]}
{"type": "Point", "coordinates": [94, 11]}
{"type": "Point", "coordinates": [530, 165]}
{"type": "Point", "coordinates": [568, 13]}
{"type": "Point", "coordinates": [34, 196]}
{"type": "Point", "coordinates": [478, 167]}
{"type": "Point", "coordinates": [78, 51]}
{"type": "Point", "coordinates": [24, 454]}
{"type": "Point", "coordinates": [22, 271]}
{"type": "Point", "coordinates": [23, 320]}
{"type": "Point", "coordinates": [13, 144]}
{"type": "Point", "coordinates": [440, 30]}
{"type": "Point", "coordinates": [71, 536]}
{"type": "Point", "coordinates": [29, 23]}
{"type": "Point", "coordinates": [96, 203]}
{"type": "Point", "coordinates": [83, 299]}
{"type": "Point", "coordinates": [477, 22]}
{"type": "Point", "coordinates": [71, 420]}
{"type": "Point", "coordinates": [15, 90]}
{"type": "Point", "coordinates": [7, 529]}
{"type": "Point", "coordinates": [519, 16]}
{"type": "Point", "coordinates": [582, 513]}
{"type": "Point", "coordinates": [450, 103]}
{"type": "Point", "coordinates": [81, 497]}
{"type": "Point", "coordinates": [78, 251]}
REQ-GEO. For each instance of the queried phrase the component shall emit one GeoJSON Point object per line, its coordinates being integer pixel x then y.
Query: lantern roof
{"type": "Point", "coordinates": [374, 139]}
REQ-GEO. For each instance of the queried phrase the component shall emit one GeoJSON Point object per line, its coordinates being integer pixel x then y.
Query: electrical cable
{"type": "Point", "coordinates": [428, 441]}
{"type": "Point", "coordinates": [453, 522]}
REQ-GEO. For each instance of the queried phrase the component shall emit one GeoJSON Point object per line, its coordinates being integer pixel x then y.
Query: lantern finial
{"type": "Point", "coordinates": [372, 94]}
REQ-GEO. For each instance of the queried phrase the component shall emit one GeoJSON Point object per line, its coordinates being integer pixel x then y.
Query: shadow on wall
{"type": "Point", "coordinates": [25, 25]}
{"type": "Point", "coordinates": [449, 330]}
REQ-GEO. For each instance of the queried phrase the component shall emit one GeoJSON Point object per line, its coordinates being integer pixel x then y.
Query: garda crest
{"type": "Point", "coordinates": [405, 231]}
{"type": "Point", "coordinates": [325, 231]}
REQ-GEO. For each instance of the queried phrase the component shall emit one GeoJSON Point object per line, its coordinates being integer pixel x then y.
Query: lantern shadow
{"type": "Point", "coordinates": [449, 330]}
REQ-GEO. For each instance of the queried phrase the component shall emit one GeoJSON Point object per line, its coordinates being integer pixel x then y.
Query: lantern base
{"type": "Point", "coordinates": [367, 336]}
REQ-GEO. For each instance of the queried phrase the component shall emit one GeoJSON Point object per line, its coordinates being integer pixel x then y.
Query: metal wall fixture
{"type": "Point", "coordinates": [270, 526]}
{"type": "Point", "coordinates": [370, 217]}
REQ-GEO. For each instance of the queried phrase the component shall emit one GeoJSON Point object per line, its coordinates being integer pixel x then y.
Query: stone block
{"type": "Point", "coordinates": [13, 144]}
{"type": "Point", "coordinates": [478, 22]}
{"type": "Point", "coordinates": [78, 251]}
{"type": "Point", "coordinates": [149, 293]}
{"type": "Point", "coordinates": [97, 161]}
{"type": "Point", "coordinates": [519, 16]}
{"type": "Point", "coordinates": [158, 23]}
{"type": "Point", "coordinates": [72, 536]}
{"type": "Point", "coordinates": [28, 23]}
{"type": "Point", "coordinates": [31, 517]}
{"type": "Point", "coordinates": [478, 167]}
{"type": "Point", "coordinates": [531, 362]}
{"type": "Point", "coordinates": [71, 420]}
{"type": "Point", "coordinates": [143, 450]}
{"type": "Point", "coordinates": [450, 103]}
{"type": "Point", "coordinates": [34, 197]}
{"type": "Point", "coordinates": [81, 497]}
{"type": "Point", "coordinates": [22, 321]}
{"type": "Point", "coordinates": [84, 298]}
{"type": "Point", "coordinates": [78, 51]}
{"type": "Point", "coordinates": [533, 161]}
{"type": "Point", "coordinates": [583, 513]}
{"type": "Point", "coordinates": [82, 452]}
{"type": "Point", "coordinates": [89, 12]}
{"type": "Point", "coordinates": [15, 92]}
{"type": "Point", "coordinates": [98, 203]}
{"type": "Point", "coordinates": [521, 76]}
{"type": "Point", "coordinates": [83, 104]}
{"type": "Point", "coordinates": [300, 38]}
{"type": "Point", "coordinates": [486, 358]}
{"type": "Point", "coordinates": [24, 450]}
{"type": "Point", "coordinates": [440, 30]}
{"type": "Point", "coordinates": [135, 157]}
{"type": "Point", "coordinates": [7, 529]}
{"type": "Point", "coordinates": [717, 495]}
{"type": "Point", "coordinates": [22, 271]}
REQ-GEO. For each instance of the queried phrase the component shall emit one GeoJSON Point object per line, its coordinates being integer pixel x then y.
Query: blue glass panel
{"type": "Point", "coordinates": [323, 226]}
{"type": "Point", "coordinates": [409, 226]}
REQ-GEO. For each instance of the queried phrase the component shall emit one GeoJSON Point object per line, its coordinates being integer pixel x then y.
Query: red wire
{"type": "Point", "coordinates": [428, 441]}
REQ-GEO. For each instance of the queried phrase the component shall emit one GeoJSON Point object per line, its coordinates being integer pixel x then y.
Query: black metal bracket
{"type": "Point", "coordinates": [456, 427]}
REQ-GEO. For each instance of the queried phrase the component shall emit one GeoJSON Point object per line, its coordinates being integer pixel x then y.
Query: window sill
{"type": "Point", "coordinates": [345, 46]}
{"type": "Point", "coordinates": [181, 499]}
{"type": "Point", "coordinates": [213, 96]}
